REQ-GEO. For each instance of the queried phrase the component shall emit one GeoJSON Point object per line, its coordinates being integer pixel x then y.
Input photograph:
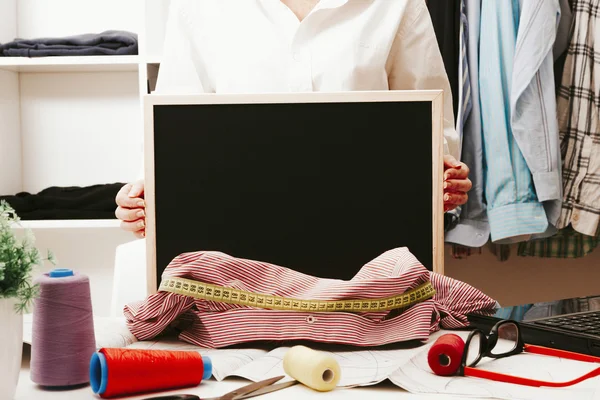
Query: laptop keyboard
{"type": "Point", "coordinates": [588, 323]}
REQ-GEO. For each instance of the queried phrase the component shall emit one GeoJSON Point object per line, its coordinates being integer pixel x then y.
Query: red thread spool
{"type": "Point", "coordinates": [444, 356]}
{"type": "Point", "coordinates": [119, 372]}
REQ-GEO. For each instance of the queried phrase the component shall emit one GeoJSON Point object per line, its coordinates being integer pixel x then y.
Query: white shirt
{"type": "Point", "coordinates": [255, 46]}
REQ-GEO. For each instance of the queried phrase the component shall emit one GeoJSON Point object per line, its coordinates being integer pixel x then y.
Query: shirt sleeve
{"type": "Point", "coordinates": [415, 63]}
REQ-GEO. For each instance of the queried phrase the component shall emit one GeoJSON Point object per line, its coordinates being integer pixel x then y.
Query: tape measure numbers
{"type": "Point", "coordinates": [205, 291]}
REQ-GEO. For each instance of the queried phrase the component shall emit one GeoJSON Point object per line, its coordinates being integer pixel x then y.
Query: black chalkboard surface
{"type": "Point", "coordinates": [320, 183]}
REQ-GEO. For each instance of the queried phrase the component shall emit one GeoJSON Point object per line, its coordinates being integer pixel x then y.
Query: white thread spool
{"type": "Point", "coordinates": [315, 369]}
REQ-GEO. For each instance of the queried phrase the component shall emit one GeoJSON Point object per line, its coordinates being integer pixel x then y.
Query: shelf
{"type": "Point", "coordinates": [153, 60]}
{"type": "Point", "coordinates": [71, 64]}
{"type": "Point", "coordinates": [69, 224]}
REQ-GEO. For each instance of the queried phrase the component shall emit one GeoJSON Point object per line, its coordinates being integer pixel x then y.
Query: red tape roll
{"type": "Point", "coordinates": [444, 356]}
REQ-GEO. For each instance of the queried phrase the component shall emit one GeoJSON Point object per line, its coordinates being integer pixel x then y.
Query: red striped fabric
{"type": "Point", "coordinates": [216, 325]}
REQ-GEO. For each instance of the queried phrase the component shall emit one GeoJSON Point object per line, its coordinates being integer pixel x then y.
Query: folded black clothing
{"type": "Point", "coordinates": [90, 44]}
{"type": "Point", "coordinates": [72, 202]}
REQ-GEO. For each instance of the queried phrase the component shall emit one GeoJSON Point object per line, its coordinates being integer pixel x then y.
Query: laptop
{"type": "Point", "coordinates": [566, 327]}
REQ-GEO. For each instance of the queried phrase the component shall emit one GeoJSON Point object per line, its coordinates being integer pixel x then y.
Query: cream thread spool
{"type": "Point", "coordinates": [315, 369]}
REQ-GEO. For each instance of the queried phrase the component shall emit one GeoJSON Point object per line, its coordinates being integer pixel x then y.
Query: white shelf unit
{"type": "Point", "coordinates": [76, 121]}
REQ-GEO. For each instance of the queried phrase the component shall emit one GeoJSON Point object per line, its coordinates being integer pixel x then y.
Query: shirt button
{"type": "Point", "coordinates": [310, 319]}
{"type": "Point", "coordinates": [297, 57]}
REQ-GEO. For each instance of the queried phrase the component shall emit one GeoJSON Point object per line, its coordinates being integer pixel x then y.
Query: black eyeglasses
{"type": "Point", "coordinates": [505, 340]}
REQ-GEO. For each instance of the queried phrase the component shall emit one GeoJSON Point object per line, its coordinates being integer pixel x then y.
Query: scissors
{"type": "Point", "coordinates": [245, 392]}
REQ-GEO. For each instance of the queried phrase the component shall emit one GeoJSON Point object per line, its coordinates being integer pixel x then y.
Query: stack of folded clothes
{"type": "Point", "coordinates": [74, 202]}
{"type": "Point", "coordinates": [109, 43]}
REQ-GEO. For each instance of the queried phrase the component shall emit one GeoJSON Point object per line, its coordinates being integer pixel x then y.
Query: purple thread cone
{"type": "Point", "coordinates": [63, 331]}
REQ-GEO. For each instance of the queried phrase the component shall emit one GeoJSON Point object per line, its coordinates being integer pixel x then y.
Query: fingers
{"type": "Point", "coordinates": [123, 199]}
{"type": "Point", "coordinates": [122, 193]}
{"type": "Point", "coordinates": [454, 173]}
{"type": "Point", "coordinates": [136, 190]}
{"type": "Point", "coordinates": [456, 199]}
{"type": "Point", "coordinates": [131, 207]}
{"type": "Point", "coordinates": [133, 226]}
{"type": "Point", "coordinates": [458, 185]}
{"type": "Point", "coordinates": [129, 214]}
{"type": "Point", "coordinates": [454, 169]}
{"type": "Point", "coordinates": [451, 162]}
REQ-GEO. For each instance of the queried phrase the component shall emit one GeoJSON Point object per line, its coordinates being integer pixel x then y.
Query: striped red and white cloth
{"type": "Point", "coordinates": [215, 324]}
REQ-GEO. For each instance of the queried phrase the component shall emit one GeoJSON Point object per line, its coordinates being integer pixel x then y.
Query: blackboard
{"type": "Point", "coordinates": [320, 183]}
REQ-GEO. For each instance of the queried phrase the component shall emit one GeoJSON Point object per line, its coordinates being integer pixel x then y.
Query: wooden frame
{"type": "Point", "coordinates": [433, 96]}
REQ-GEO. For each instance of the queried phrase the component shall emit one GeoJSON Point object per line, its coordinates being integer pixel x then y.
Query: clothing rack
{"type": "Point", "coordinates": [540, 246]}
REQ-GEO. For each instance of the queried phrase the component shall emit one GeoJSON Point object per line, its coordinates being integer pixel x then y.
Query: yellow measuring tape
{"type": "Point", "coordinates": [205, 291]}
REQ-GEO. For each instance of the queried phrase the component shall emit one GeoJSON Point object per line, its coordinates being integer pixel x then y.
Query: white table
{"type": "Point", "coordinates": [27, 390]}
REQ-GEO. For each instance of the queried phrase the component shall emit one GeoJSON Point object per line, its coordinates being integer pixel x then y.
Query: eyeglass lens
{"type": "Point", "coordinates": [473, 349]}
{"type": "Point", "coordinates": [508, 334]}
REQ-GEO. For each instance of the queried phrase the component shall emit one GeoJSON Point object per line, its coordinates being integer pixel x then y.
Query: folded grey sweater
{"type": "Point", "coordinates": [90, 44]}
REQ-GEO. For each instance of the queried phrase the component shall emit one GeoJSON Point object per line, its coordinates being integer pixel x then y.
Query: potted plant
{"type": "Point", "coordinates": [18, 258]}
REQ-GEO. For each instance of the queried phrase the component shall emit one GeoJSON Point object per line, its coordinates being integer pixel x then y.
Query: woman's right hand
{"type": "Point", "coordinates": [131, 208]}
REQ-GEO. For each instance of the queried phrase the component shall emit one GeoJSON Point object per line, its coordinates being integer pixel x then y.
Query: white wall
{"type": "Point", "coordinates": [521, 280]}
{"type": "Point", "coordinates": [43, 18]}
{"type": "Point", "coordinates": [10, 147]}
{"type": "Point", "coordinates": [87, 251]}
{"type": "Point", "coordinates": [8, 20]}
{"type": "Point", "coordinates": [156, 18]}
{"type": "Point", "coordinates": [10, 141]}
{"type": "Point", "coordinates": [79, 128]}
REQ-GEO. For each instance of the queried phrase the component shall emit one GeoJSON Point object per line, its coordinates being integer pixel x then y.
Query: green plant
{"type": "Point", "coordinates": [18, 257]}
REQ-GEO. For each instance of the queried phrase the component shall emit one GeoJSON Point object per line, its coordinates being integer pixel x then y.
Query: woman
{"type": "Point", "coordinates": [254, 46]}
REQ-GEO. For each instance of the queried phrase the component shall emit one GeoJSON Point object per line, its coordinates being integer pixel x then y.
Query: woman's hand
{"type": "Point", "coordinates": [456, 183]}
{"type": "Point", "coordinates": [131, 208]}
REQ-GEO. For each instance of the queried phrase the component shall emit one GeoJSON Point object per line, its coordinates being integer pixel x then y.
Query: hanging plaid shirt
{"type": "Point", "coordinates": [579, 99]}
{"type": "Point", "coordinates": [217, 324]}
{"type": "Point", "coordinates": [567, 243]}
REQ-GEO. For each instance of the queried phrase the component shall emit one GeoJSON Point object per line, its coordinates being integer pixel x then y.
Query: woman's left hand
{"type": "Point", "coordinates": [456, 183]}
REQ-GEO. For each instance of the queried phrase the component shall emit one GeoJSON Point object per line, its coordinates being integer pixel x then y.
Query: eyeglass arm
{"type": "Point", "coordinates": [547, 351]}
{"type": "Point", "coordinates": [495, 376]}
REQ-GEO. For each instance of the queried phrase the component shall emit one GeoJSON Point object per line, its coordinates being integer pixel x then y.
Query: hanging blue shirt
{"type": "Point", "coordinates": [527, 122]}
{"type": "Point", "coordinates": [515, 212]}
